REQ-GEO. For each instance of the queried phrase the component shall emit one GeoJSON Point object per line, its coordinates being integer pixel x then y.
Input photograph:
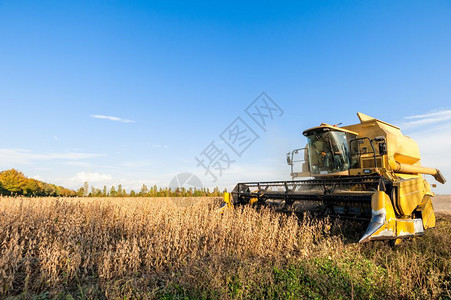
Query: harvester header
{"type": "Point", "coordinates": [366, 171]}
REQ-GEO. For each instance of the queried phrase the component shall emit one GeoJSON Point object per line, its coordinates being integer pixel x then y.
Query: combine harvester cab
{"type": "Point", "coordinates": [368, 171]}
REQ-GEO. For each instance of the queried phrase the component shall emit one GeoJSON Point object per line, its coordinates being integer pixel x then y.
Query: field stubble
{"type": "Point", "coordinates": [153, 248]}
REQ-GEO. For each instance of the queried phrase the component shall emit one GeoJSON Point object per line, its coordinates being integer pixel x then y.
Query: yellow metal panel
{"type": "Point", "coordinates": [381, 201]}
{"type": "Point", "coordinates": [428, 215]}
{"type": "Point", "coordinates": [405, 228]}
{"type": "Point", "coordinates": [410, 195]}
{"type": "Point", "coordinates": [383, 221]}
{"type": "Point", "coordinates": [253, 200]}
{"type": "Point", "coordinates": [227, 199]}
{"type": "Point", "coordinates": [363, 117]}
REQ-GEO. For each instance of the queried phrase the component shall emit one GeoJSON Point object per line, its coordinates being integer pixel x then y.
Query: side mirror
{"type": "Point", "coordinates": [383, 148]}
{"type": "Point", "coordinates": [289, 162]}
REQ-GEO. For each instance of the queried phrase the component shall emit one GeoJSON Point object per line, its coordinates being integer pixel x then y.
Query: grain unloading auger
{"type": "Point", "coordinates": [367, 171]}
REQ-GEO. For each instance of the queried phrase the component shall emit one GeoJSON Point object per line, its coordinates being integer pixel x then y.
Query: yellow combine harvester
{"type": "Point", "coordinates": [368, 171]}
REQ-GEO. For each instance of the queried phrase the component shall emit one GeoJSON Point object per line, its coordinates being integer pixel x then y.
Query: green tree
{"type": "Point", "coordinates": [2, 190]}
{"type": "Point", "coordinates": [113, 192]}
{"type": "Point", "coordinates": [144, 190]}
{"type": "Point", "coordinates": [50, 190]}
{"type": "Point", "coordinates": [80, 192]}
{"type": "Point", "coordinates": [13, 181]}
{"type": "Point", "coordinates": [153, 191]}
{"type": "Point", "coordinates": [33, 188]}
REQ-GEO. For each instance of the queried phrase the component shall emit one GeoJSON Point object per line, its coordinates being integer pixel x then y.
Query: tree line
{"type": "Point", "coordinates": [145, 191]}
{"type": "Point", "coordinates": [15, 183]}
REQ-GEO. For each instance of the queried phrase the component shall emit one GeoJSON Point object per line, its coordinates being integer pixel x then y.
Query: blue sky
{"type": "Point", "coordinates": [181, 72]}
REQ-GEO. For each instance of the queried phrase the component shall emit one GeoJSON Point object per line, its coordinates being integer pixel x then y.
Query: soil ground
{"type": "Point", "coordinates": [442, 204]}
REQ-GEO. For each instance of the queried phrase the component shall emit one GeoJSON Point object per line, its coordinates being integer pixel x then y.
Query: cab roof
{"type": "Point", "coordinates": [327, 127]}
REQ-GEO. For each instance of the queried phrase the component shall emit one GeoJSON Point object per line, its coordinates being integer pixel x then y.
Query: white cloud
{"type": "Point", "coordinates": [426, 119]}
{"type": "Point", "coordinates": [98, 180]}
{"type": "Point", "coordinates": [435, 147]}
{"type": "Point", "coordinates": [265, 170]}
{"type": "Point", "coordinates": [12, 156]}
{"type": "Point", "coordinates": [91, 177]}
{"type": "Point", "coordinates": [111, 118]}
{"type": "Point", "coordinates": [432, 132]}
{"type": "Point", "coordinates": [37, 177]}
{"type": "Point", "coordinates": [159, 146]}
